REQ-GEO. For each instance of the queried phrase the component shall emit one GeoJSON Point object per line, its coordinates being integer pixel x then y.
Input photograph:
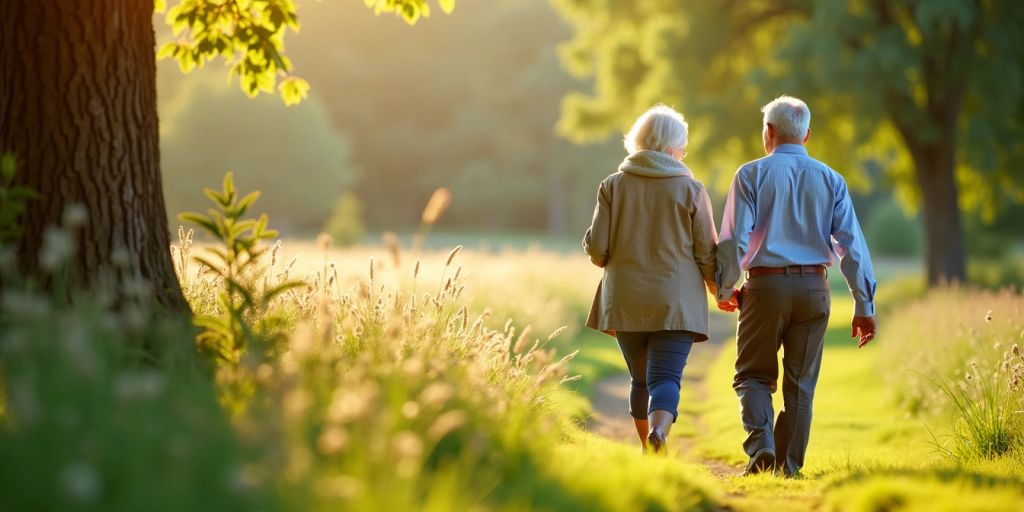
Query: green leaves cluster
{"type": "Point", "coordinates": [884, 79]}
{"type": "Point", "coordinates": [410, 10]}
{"type": "Point", "coordinates": [244, 317]}
{"type": "Point", "coordinates": [13, 199]}
{"type": "Point", "coordinates": [249, 36]}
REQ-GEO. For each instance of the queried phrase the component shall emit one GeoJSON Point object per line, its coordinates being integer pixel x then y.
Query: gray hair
{"type": "Point", "coordinates": [661, 128]}
{"type": "Point", "coordinates": [790, 117]}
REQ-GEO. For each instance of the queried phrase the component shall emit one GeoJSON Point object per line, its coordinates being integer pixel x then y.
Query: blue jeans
{"type": "Point", "coordinates": [655, 361]}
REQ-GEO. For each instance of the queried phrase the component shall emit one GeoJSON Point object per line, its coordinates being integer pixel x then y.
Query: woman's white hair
{"type": "Point", "coordinates": [659, 129]}
{"type": "Point", "coordinates": [790, 117]}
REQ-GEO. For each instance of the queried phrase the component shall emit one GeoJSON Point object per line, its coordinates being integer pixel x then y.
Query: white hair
{"type": "Point", "coordinates": [790, 117]}
{"type": "Point", "coordinates": [661, 128]}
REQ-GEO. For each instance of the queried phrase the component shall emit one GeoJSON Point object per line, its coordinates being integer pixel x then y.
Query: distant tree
{"type": "Point", "coordinates": [930, 88]}
{"type": "Point", "coordinates": [78, 89]}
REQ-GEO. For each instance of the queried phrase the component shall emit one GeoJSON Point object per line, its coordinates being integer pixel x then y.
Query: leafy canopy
{"type": "Point", "coordinates": [881, 77]}
{"type": "Point", "coordinates": [249, 36]}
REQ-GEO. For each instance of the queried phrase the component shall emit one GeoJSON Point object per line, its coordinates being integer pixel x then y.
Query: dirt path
{"type": "Point", "coordinates": [611, 397]}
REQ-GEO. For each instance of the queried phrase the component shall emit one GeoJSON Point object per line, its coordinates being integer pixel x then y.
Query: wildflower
{"type": "Point", "coordinates": [74, 216]}
{"type": "Point", "coordinates": [445, 424]}
{"type": "Point", "coordinates": [451, 255]}
{"type": "Point", "coordinates": [81, 482]}
{"type": "Point", "coordinates": [436, 206]}
{"type": "Point", "coordinates": [120, 257]}
{"type": "Point", "coordinates": [58, 246]}
{"type": "Point", "coordinates": [558, 331]}
{"type": "Point", "coordinates": [324, 242]}
{"type": "Point", "coordinates": [410, 409]}
{"type": "Point", "coordinates": [332, 440]}
{"type": "Point", "coordinates": [436, 394]}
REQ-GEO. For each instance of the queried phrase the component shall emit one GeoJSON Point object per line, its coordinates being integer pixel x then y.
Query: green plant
{"type": "Point", "coordinates": [244, 316]}
{"type": "Point", "coordinates": [13, 199]}
{"type": "Point", "coordinates": [984, 414]}
{"type": "Point", "coordinates": [346, 223]}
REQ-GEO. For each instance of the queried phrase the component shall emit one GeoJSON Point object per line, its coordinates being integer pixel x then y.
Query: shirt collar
{"type": "Point", "coordinates": [797, 149]}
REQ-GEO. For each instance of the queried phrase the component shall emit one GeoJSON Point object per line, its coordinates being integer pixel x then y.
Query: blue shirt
{"type": "Point", "coordinates": [790, 209]}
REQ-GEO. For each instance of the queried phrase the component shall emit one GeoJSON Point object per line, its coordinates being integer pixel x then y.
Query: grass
{"type": "Point", "coordinates": [380, 383]}
{"type": "Point", "coordinates": [867, 450]}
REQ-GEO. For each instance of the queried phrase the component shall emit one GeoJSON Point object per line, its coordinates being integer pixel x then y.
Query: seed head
{"type": "Point", "coordinates": [451, 255]}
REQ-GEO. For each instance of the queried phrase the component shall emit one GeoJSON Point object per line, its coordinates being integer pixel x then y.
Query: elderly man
{"type": "Point", "coordinates": [784, 217]}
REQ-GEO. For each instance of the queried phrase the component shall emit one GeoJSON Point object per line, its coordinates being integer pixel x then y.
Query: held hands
{"type": "Point", "coordinates": [732, 304]}
{"type": "Point", "coordinates": [866, 326]}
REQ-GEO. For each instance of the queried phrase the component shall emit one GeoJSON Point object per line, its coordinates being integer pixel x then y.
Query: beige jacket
{"type": "Point", "coordinates": [654, 236]}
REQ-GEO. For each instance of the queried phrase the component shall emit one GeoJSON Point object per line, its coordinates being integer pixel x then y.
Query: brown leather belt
{"type": "Point", "coordinates": [792, 269]}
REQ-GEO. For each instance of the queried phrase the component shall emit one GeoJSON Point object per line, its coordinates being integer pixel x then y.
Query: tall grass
{"type": "Point", "coordinates": [382, 387]}
{"type": "Point", "coordinates": [957, 352]}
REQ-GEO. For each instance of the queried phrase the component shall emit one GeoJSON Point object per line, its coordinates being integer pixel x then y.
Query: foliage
{"type": "Point", "coordinates": [249, 36]}
{"type": "Point", "coordinates": [13, 199]}
{"type": "Point", "coordinates": [890, 232]}
{"type": "Point", "coordinates": [410, 10]}
{"type": "Point", "coordinates": [346, 223]}
{"type": "Point", "coordinates": [93, 421]}
{"type": "Point", "coordinates": [243, 320]}
{"type": "Point", "coordinates": [882, 79]}
{"type": "Point", "coordinates": [297, 153]}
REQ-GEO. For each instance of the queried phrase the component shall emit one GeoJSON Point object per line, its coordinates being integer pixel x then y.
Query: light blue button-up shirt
{"type": "Point", "coordinates": [790, 209]}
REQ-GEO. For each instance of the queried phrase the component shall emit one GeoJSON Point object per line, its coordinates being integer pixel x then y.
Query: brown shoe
{"type": "Point", "coordinates": [656, 440]}
{"type": "Point", "coordinates": [762, 461]}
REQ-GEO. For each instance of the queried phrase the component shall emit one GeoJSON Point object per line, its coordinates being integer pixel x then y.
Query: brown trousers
{"type": "Point", "coordinates": [788, 311]}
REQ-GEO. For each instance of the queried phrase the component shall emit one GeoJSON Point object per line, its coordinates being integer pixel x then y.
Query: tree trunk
{"type": "Point", "coordinates": [945, 255]}
{"type": "Point", "coordinates": [78, 109]}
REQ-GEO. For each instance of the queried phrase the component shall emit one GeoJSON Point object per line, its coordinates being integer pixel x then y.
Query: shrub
{"type": "Point", "coordinates": [346, 222]}
{"type": "Point", "coordinates": [890, 232]}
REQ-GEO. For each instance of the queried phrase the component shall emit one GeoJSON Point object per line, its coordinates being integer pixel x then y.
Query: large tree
{"type": "Point", "coordinates": [78, 109]}
{"type": "Point", "coordinates": [932, 89]}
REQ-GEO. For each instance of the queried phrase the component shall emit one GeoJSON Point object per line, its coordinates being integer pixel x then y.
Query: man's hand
{"type": "Point", "coordinates": [866, 326]}
{"type": "Point", "coordinates": [732, 304]}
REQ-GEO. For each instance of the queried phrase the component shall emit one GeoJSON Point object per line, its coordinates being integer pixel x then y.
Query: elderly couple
{"type": "Point", "coordinates": [785, 216]}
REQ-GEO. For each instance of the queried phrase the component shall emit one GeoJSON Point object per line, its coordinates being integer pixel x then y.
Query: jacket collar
{"type": "Point", "coordinates": [653, 164]}
{"type": "Point", "coordinates": [796, 149]}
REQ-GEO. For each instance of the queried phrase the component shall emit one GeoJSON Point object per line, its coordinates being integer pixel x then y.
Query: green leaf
{"type": "Point", "coordinates": [199, 220]}
{"type": "Point", "coordinates": [293, 90]}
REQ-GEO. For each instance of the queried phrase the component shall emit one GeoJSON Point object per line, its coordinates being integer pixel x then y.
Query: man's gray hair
{"type": "Point", "coordinates": [790, 117]}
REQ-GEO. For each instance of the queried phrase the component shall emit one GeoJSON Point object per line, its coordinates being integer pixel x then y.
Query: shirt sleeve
{"type": "Point", "coordinates": [737, 223]}
{"type": "Point", "coordinates": [705, 240]}
{"type": "Point", "coordinates": [852, 249]}
{"type": "Point", "coordinates": [595, 241]}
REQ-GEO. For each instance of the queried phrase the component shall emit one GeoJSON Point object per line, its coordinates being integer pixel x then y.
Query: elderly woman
{"type": "Point", "coordinates": [654, 236]}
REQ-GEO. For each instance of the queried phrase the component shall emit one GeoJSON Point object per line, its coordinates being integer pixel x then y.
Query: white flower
{"type": "Point", "coordinates": [81, 482]}
{"type": "Point", "coordinates": [58, 246]}
{"type": "Point", "coordinates": [75, 215]}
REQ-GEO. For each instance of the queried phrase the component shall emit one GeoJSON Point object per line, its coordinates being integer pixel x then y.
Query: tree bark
{"type": "Point", "coordinates": [945, 255]}
{"type": "Point", "coordinates": [78, 109]}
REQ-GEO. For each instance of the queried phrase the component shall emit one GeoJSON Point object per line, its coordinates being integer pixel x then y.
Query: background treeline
{"type": "Point", "coordinates": [469, 102]}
